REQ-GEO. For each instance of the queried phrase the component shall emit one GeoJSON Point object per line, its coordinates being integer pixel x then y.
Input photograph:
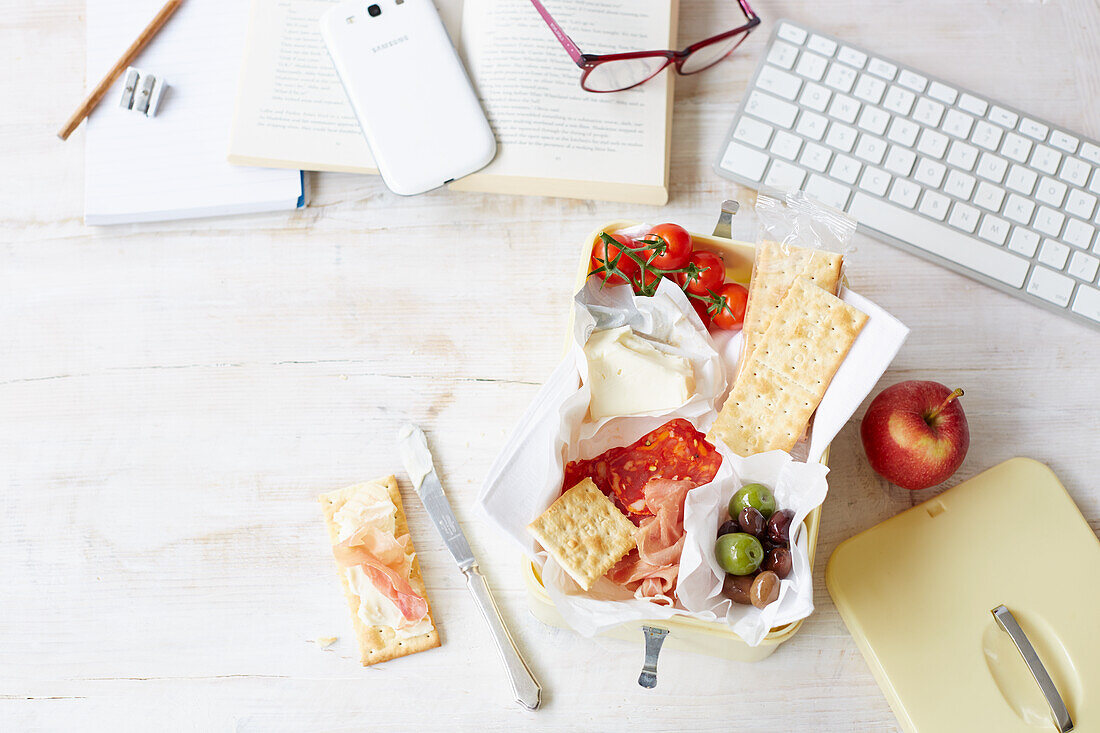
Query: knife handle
{"type": "Point", "coordinates": [526, 688]}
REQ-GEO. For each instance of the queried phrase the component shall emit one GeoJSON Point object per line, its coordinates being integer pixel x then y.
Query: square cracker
{"type": "Point", "coordinates": [377, 643]}
{"type": "Point", "coordinates": [785, 378]}
{"type": "Point", "coordinates": [585, 532]}
{"type": "Point", "coordinates": [775, 269]}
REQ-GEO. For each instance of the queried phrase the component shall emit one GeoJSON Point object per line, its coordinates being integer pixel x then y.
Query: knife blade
{"type": "Point", "coordinates": [413, 446]}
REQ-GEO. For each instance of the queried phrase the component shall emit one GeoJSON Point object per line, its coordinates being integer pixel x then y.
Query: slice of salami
{"type": "Point", "coordinates": [674, 451]}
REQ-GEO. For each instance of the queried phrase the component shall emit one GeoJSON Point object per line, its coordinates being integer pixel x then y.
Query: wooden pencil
{"type": "Point", "coordinates": [127, 59]}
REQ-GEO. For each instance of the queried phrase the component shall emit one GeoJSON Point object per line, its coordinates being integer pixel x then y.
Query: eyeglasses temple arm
{"type": "Point", "coordinates": [746, 9]}
{"type": "Point", "coordinates": [564, 40]}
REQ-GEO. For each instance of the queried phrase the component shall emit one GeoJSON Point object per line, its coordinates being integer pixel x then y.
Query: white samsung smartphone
{"type": "Point", "coordinates": [417, 108]}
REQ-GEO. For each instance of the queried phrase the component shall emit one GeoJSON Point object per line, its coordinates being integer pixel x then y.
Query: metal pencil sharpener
{"type": "Point", "coordinates": [142, 91]}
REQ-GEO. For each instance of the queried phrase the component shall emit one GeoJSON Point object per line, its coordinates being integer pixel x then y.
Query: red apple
{"type": "Point", "coordinates": [915, 434]}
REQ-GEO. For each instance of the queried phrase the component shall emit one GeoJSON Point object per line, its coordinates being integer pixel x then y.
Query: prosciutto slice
{"type": "Point", "coordinates": [651, 569]}
{"type": "Point", "coordinates": [384, 559]}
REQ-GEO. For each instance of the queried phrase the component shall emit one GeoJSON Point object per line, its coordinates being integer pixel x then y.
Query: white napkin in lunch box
{"type": "Point", "coordinates": [526, 476]}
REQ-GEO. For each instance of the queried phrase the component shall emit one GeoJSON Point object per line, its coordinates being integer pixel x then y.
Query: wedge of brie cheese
{"type": "Point", "coordinates": [628, 375]}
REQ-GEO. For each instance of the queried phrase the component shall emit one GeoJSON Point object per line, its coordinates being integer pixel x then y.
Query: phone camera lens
{"type": "Point", "coordinates": [374, 11]}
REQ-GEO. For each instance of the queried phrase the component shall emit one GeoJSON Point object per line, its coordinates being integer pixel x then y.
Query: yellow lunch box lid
{"type": "Point", "coordinates": [918, 590]}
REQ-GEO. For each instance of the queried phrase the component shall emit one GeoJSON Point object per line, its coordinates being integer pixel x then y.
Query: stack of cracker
{"type": "Point", "coordinates": [584, 532]}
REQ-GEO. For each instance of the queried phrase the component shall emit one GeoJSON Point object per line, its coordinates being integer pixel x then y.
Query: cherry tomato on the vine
{"type": "Point", "coordinates": [710, 275]}
{"type": "Point", "coordinates": [673, 249]}
{"type": "Point", "coordinates": [646, 283]}
{"type": "Point", "coordinates": [731, 316]}
{"type": "Point", "coordinates": [701, 308]}
{"type": "Point", "coordinates": [605, 254]}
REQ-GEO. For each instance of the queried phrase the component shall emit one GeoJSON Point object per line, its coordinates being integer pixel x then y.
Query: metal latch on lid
{"type": "Point", "coordinates": [1007, 621]}
{"type": "Point", "coordinates": [722, 228]}
{"type": "Point", "coordinates": [654, 638]}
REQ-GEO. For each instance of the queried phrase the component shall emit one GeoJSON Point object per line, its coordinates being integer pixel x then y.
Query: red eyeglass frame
{"type": "Point", "coordinates": [589, 61]}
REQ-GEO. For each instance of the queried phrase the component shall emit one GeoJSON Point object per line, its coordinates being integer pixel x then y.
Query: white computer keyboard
{"type": "Point", "coordinates": [972, 184]}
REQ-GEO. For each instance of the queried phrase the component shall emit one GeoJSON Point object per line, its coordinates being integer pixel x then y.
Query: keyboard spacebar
{"type": "Point", "coordinates": [986, 259]}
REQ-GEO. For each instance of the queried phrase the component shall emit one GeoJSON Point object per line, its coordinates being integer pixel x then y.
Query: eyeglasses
{"type": "Point", "coordinates": [614, 72]}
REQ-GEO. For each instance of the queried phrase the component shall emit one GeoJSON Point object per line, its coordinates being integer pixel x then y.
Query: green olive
{"type": "Point", "coordinates": [739, 553]}
{"type": "Point", "coordinates": [757, 496]}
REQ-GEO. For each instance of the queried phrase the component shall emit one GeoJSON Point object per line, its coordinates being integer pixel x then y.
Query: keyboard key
{"type": "Point", "coordinates": [844, 108]}
{"type": "Point", "coordinates": [972, 104]}
{"type": "Point", "coordinates": [827, 192]}
{"type": "Point", "coordinates": [898, 100]}
{"type": "Point", "coordinates": [792, 33]}
{"type": "Point", "coordinates": [986, 135]}
{"type": "Point", "coordinates": [1051, 191]}
{"type": "Point", "coordinates": [1024, 242]}
{"type": "Point", "coordinates": [786, 145]}
{"type": "Point", "coordinates": [811, 66]}
{"type": "Point", "coordinates": [964, 217]}
{"type": "Point", "coordinates": [928, 112]}
{"type": "Point", "coordinates": [911, 80]}
{"type": "Point", "coordinates": [1049, 221]}
{"type": "Point", "coordinates": [1078, 233]}
{"type": "Point", "coordinates": [744, 161]}
{"type": "Point", "coordinates": [852, 56]}
{"type": "Point", "coordinates": [1021, 180]}
{"type": "Point", "coordinates": [753, 132]}
{"type": "Point", "coordinates": [989, 197]}
{"type": "Point", "coordinates": [845, 168]}
{"type": "Point", "coordinates": [934, 205]}
{"type": "Point", "coordinates": [903, 132]}
{"type": "Point", "coordinates": [821, 45]}
{"type": "Point", "coordinates": [962, 155]}
{"type": "Point", "coordinates": [815, 157]}
{"type": "Point", "coordinates": [1050, 286]}
{"type": "Point", "coordinates": [1064, 141]}
{"type": "Point", "coordinates": [779, 83]}
{"type": "Point", "coordinates": [1053, 254]}
{"type": "Point", "coordinates": [957, 123]}
{"type": "Point", "coordinates": [770, 109]}
{"type": "Point", "coordinates": [932, 144]}
{"type": "Point", "coordinates": [1095, 185]}
{"type": "Point", "coordinates": [942, 92]}
{"type": "Point", "coordinates": [994, 230]}
{"type": "Point", "coordinates": [1080, 204]}
{"type": "Point", "coordinates": [1016, 147]}
{"type": "Point", "coordinates": [871, 149]}
{"type": "Point", "coordinates": [812, 125]}
{"type": "Point", "coordinates": [1045, 159]}
{"type": "Point", "coordinates": [841, 137]}
{"type": "Point", "coordinates": [784, 175]}
{"type": "Point", "coordinates": [1083, 266]}
{"type": "Point", "coordinates": [1090, 153]}
{"type": "Point", "coordinates": [873, 120]}
{"type": "Point", "coordinates": [1034, 129]}
{"type": "Point", "coordinates": [875, 180]}
{"type": "Point", "coordinates": [885, 69]}
{"type": "Point", "coordinates": [870, 89]}
{"type": "Point", "coordinates": [1087, 303]}
{"type": "Point", "coordinates": [959, 185]}
{"type": "Point", "coordinates": [992, 167]}
{"type": "Point", "coordinates": [1003, 117]}
{"type": "Point", "coordinates": [815, 96]}
{"type": "Point", "coordinates": [899, 161]}
{"type": "Point", "coordinates": [1019, 209]}
{"type": "Point", "coordinates": [841, 77]}
{"type": "Point", "coordinates": [930, 172]}
{"type": "Point", "coordinates": [905, 193]}
{"type": "Point", "coordinates": [933, 238]}
{"type": "Point", "coordinates": [782, 54]}
{"type": "Point", "coordinates": [1076, 171]}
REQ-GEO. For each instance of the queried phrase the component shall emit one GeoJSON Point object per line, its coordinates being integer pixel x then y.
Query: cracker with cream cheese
{"type": "Point", "coordinates": [378, 643]}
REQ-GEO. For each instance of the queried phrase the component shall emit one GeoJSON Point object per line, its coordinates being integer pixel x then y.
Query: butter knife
{"type": "Point", "coordinates": [419, 466]}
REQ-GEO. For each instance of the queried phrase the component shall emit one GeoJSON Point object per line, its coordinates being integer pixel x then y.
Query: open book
{"type": "Point", "coordinates": [554, 138]}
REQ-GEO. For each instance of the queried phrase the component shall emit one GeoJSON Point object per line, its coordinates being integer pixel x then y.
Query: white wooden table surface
{"type": "Point", "coordinates": [174, 396]}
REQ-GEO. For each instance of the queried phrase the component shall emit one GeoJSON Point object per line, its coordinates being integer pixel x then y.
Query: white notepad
{"type": "Point", "coordinates": [173, 165]}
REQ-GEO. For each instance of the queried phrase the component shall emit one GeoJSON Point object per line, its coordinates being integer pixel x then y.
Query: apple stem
{"type": "Point", "coordinates": [936, 413]}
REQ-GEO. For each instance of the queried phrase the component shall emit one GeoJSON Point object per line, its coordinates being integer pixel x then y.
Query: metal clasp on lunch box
{"type": "Point", "coordinates": [725, 219]}
{"type": "Point", "coordinates": [1007, 621]}
{"type": "Point", "coordinates": [654, 638]}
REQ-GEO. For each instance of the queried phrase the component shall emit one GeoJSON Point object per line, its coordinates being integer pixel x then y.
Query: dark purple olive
{"type": "Point", "coordinates": [736, 588]}
{"type": "Point", "coordinates": [778, 561]}
{"type": "Point", "coordinates": [779, 526]}
{"type": "Point", "coordinates": [729, 527]}
{"type": "Point", "coordinates": [751, 521]}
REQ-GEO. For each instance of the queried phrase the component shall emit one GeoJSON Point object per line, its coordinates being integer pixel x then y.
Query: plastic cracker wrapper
{"type": "Point", "coordinates": [798, 237]}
